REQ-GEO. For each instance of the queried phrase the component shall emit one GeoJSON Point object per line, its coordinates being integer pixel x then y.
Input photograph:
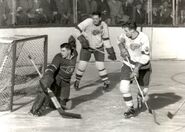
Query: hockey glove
{"type": "Point", "coordinates": [112, 55]}
{"type": "Point", "coordinates": [72, 42]}
{"type": "Point", "coordinates": [84, 42]}
{"type": "Point", "coordinates": [135, 72]}
{"type": "Point", "coordinates": [46, 82]}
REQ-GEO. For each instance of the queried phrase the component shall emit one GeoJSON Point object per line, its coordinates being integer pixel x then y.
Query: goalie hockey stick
{"type": "Point", "coordinates": [142, 95]}
{"type": "Point", "coordinates": [54, 99]}
{"type": "Point", "coordinates": [171, 115]}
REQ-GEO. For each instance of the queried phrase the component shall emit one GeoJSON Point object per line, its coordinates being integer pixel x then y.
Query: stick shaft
{"type": "Point", "coordinates": [180, 106]}
{"type": "Point", "coordinates": [129, 64]}
{"type": "Point", "coordinates": [97, 50]}
{"type": "Point", "coordinates": [141, 92]}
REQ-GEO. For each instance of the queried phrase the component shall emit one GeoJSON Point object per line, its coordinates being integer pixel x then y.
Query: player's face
{"type": "Point", "coordinates": [96, 19]}
{"type": "Point", "coordinates": [128, 32]}
{"type": "Point", "coordinates": [65, 52]}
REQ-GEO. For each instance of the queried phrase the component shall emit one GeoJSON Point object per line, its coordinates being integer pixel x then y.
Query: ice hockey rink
{"type": "Point", "coordinates": [103, 112]}
{"type": "Point", "coordinates": [23, 21]}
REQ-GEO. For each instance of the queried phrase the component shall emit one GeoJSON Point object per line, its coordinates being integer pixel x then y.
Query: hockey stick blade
{"type": "Point", "coordinates": [154, 116]}
{"type": "Point", "coordinates": [68, 114]}
{"type": "Point", "coordinates": [59, 108]}
{"type": "Point", "coordinates": [170, 115]}
{"type": "Point", "coordinates": [150, 111]}
{"type": "Point", "coordinates": [153, 113]}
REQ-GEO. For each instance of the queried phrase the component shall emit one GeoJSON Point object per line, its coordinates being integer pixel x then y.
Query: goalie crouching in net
{"type": "Point", "coordinates": [134, 46]}
{"type": "Point", "coordinates": [57, 77]}
{"type": "Point", "coordinates": [93, 34]}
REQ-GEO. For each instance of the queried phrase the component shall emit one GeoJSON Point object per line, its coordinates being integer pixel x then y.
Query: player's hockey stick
{"type": "Point", "coordinates": [171, 115]}
{"type": "Point", "coordinates": [142, 95]}
{"type": "Point", "coordinates": [54, 99]}
{"type": "Point", "coordinates": [125, 62]}
{"type": "Point", "coordinates": [97, 50]}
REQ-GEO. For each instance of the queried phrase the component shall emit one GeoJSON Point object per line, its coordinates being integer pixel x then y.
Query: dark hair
{"type": "Point", "coordinates": [130, 25]}
{"type": "Point", "coordinates": [66, 45]}
{"type": "Point", "coordinates": [96, 13]}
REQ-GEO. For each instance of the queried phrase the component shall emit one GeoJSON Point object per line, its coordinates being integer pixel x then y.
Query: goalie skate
{"type": "Point", "coordinates": [66, 104]}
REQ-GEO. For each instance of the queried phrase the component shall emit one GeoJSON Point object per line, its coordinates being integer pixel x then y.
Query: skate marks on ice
{"type": "Point", "coordinates": [178, 78]}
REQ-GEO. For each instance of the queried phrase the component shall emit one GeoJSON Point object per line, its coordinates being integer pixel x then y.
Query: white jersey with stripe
{"type": "Point", "coordinates": [142, 53]}
{"type": "Point", "coordinates": [96, 35]}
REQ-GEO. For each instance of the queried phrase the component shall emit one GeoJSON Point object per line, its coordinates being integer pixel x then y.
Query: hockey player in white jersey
{"type": "Point", "coordinates": [93, 34]}
{"type": "Point", "coordinates": [134, 45]}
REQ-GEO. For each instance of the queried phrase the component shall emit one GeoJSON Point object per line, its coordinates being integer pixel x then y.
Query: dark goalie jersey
{"type": "Point", "coordinates": [62, 68]}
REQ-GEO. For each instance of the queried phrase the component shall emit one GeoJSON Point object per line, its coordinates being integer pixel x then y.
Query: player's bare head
{"type": "Point", "coordinates": [65, 50]}
{"type": "Point", "coordinates": [129, 28]}
{"type": "Point", "coordinates": [96, 16]}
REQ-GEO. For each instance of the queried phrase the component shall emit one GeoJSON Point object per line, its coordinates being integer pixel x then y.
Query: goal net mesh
{"type": "Point", "coordinates": [17, 74]}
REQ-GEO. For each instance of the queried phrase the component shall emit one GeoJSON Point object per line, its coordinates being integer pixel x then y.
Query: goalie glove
{"type": "Point", "coordinates": [72, 41]}
{"type": "Point", "coordinates": [112, 55]}
{"type": "Point", "coordinates": [46, 82]}
{"type": "Point", "coordinates": [84, 42]}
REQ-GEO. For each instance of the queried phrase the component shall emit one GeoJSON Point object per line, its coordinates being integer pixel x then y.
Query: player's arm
{"type": "Point", "coordinates": [145, 51]}
{"type": "Point", "coordinates": [80, 28]}
{"type": "Point", "coordinates": [107, 44]}
{"type": "Point", "coordinates": [121, 44]}
{"type": "Point", "coordinates": [48, 77]}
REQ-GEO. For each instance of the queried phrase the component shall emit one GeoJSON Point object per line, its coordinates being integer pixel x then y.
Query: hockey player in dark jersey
{"type": "Point", "coordinates": [57, 77]}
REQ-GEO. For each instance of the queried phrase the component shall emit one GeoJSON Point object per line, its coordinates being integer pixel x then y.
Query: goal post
{"type": "Point", "coordinates": [16, 70]}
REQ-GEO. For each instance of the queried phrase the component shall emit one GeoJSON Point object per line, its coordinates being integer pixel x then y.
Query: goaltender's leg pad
{"type": "Point", "coordinates": [40, 105]}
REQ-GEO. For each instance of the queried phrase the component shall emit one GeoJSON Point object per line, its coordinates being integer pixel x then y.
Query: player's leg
{"type": "Point", "coordinates": [65, 101]}
{"type": "Point", "coordinates": [85, 56]}
{"type": "Point", "coordinates": [103, 75]}
{"type": "Point", "coordinates": [125, 90]}
{"type": "Point", "coordinates": [55, 88]}
{"type": "Point", "coordinates": [99, 57]}
{"type": "Point", "coordinates": [143, 80]}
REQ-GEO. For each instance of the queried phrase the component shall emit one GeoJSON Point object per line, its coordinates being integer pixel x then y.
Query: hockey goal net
{"type": "Point", "coordinates": [17, 73]}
